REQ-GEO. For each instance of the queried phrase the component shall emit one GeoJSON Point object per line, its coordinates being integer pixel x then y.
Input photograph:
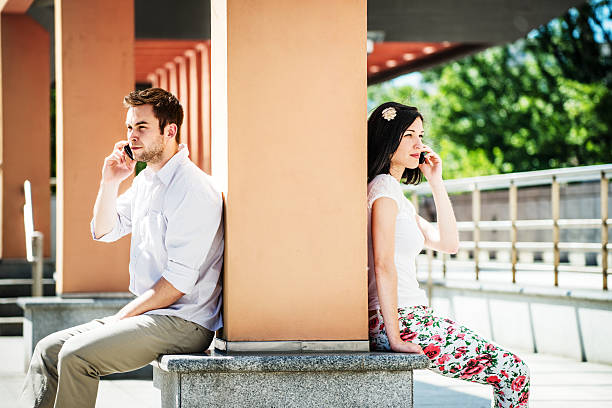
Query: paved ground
{"type": "Point", "coordinates": [556, 382]}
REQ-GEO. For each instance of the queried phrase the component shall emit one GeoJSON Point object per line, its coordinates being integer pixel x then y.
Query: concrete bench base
{"type": "Point", "coordinates": [46, 315]}
{"type": "Point", "coordinates": [286, 380]}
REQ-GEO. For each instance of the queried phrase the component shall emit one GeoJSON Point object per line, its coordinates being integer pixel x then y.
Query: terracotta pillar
{"type": "Point", "coordinates": [154, 80]}
{"type": "Point", "coordinates": [203, 53]}
{"type": "Point", "coordinates": [162, 74]}
{"type": "Point", "coordinates": [172, 78]}
{"type": "Point", "coordinates": [24, 131]}
{"type": "Point", "coordinates": [195, 139]}
{"type": "Point", "coordinates": [94, 70]}
{"type": "Point", "coordinates": [183, 97]}
{"type": "Point", "coordinates": [289, 147]}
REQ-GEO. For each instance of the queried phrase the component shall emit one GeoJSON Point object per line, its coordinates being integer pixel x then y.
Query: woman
{"type": "Point", "coordinates": [396, 236]}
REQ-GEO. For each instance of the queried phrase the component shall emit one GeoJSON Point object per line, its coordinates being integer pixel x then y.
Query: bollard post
{"type": "Point", "coordinates": [37, 265]}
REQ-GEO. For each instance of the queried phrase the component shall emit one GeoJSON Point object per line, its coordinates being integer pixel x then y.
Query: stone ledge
{"type": "Point", "coordinates": [276, 362]}
{"type": "Point", "coordinates": [57, 302]}
{"type": "Point", "coordinates": [287, 380]}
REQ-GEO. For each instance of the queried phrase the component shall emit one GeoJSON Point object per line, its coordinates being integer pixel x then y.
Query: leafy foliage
{"type": "Point", "coordinates": [541, 102]}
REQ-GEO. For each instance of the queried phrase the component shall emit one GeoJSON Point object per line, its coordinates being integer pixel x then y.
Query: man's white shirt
{"type": "Point", "coordinates": [176, 220]}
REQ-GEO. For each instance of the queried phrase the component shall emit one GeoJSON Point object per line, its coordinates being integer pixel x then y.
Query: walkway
{"type": "Point", "coordinates": [556, 382]}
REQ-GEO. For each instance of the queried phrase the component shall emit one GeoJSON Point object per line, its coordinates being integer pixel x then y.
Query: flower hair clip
{"type": "Point", "coordinates": [389, 114]}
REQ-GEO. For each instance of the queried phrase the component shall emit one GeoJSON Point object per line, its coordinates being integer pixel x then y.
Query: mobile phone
{"type": "Point", "coordinates": [422, 158]}
{"type": "Point", "coordinates": [128, 151]}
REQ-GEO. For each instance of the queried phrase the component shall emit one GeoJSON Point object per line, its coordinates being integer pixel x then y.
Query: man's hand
{"type": "Point", "coordinates": [117, 166]}
{"type": "Point", "coordinates": [161, 295]}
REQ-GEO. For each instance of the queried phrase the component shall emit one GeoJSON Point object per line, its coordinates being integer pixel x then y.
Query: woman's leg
{"type": "Point", "coordinates": [456, 351]}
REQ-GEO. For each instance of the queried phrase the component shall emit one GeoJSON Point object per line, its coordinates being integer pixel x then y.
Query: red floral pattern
{"type": "Point", "coordinates": [431, 351]}
{"type": "Point", "coordinates": [456, 351]}
{"type": "Point", "coordinates": [494, 380]}
{"type": "Point", "coordinates": [518, 383]}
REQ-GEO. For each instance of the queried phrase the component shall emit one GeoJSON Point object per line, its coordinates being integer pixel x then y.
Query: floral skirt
{"type": "Point", "coordinates": [456, 351]}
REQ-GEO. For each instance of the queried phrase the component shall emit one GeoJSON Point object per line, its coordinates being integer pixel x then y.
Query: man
{"type": "Point", "coordinates": [175, 216]}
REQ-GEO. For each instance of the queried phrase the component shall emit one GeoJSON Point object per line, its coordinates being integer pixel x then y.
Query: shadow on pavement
{"type": "Point", "coordinates": [430, 396]}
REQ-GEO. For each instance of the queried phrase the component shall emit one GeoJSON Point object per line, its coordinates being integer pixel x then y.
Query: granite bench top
{"type": "Point", "coordinates": [218, 361]}
{"type": "Point", "coordinates": [56, 302]}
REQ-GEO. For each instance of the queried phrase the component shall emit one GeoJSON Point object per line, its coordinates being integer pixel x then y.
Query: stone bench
{"type": "Point", "coordinates": [286, 380]}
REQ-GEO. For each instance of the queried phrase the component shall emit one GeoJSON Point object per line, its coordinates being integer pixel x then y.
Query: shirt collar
{"type": "Point", "coordinates": [166, 173]}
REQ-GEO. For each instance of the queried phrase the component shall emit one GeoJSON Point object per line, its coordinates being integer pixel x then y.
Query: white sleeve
{"type": "Point", "coordinates": [191, 229]}
{"type": "Point", "coordinates": [384, 187]}
{"type": "Point", "coordinates": [123, 224]}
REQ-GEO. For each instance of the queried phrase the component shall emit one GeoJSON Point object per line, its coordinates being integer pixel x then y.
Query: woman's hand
{"type": "Point", "coordinates": [402, 346]}
{"type": "Point", "coordinates": [117, 166]}
{"type": "Point", "coordinates": [432, 168]}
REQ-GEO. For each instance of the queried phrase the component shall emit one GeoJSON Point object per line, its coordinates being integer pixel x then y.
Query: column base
{"type": "Point", "coordinates": [291, 346]}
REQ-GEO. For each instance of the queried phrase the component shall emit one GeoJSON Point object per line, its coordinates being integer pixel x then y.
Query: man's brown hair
{"type": "Point", "coordinates": [166, 107]}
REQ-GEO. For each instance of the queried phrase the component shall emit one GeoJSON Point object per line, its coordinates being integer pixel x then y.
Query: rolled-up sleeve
{"type": "Point", "coordinates": [191, 228]}
{"type": "Point", "coordinates": [123, 224]}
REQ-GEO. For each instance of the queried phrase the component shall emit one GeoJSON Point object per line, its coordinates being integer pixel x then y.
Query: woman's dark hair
{"type": "Point", "coordinates": [384, 137]}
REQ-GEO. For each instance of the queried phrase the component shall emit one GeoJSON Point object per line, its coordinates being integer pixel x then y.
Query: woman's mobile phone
{"type": "Point", "coordinates": [422, 158]}
{"type": "Point", "coordinates": [128, 151]}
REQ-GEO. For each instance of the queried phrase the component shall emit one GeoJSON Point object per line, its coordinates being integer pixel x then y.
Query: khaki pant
{"type": "Point", "coordinates": [66, 366]}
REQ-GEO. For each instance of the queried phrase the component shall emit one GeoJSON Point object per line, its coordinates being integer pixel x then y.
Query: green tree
{"type": "Point", "coordinates": [542, 102]}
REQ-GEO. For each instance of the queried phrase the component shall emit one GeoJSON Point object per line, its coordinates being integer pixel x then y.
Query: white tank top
{"type": "Point", "coordinates": [409, 242]}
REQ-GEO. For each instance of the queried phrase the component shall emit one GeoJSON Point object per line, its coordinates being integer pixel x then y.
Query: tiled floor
{"type": "Point", "coordinates": [556, 382]}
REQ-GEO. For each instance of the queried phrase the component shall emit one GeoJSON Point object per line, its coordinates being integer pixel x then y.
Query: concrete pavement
{"type": "Point", "coordinates": [556, 382]}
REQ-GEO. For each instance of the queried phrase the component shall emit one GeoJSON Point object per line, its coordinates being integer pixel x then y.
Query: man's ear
{"type": "Point", "coordinates": [171, 129]}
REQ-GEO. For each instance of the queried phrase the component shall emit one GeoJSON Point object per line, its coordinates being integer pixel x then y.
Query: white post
{"type": "Point", "coordinates": [34, 242]}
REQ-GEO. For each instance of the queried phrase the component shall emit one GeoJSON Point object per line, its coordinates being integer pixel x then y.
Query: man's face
{"type": "Point", "coordinates": [143, 134]}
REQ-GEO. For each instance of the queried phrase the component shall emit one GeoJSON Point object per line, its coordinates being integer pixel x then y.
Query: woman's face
{"type": "Point", "coordinates": [411, 146]}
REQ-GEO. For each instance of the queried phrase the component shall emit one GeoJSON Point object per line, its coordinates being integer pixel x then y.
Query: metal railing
{"type": "Point", "coordinates": [34, 242]}
{"type": "Point", "coordinates": [512, 182]}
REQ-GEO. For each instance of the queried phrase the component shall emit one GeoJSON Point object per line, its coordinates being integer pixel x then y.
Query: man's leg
{"type": "Point", "coordinates": [121, 346]}
{"type": "Point", "coordinates": [40, 383]}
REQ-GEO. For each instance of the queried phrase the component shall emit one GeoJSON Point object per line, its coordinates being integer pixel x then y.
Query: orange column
{"type": "Point", "coordinates": [162, 74]}
{"type": "Point", "coordinates": [203, 52]}
{"type": "Point", "coordinates": [194, 112]}
{"type": "Point", "coordinates": [172, 78]}
{"type": "Point", "coordinates": [25, 130]}
{"type": "Point", "coordinates": [154, 80]}
{"type": "Point", "coordinates": [94, 70]}
{"type": "Point", "coordinates": [183, 96]}
{"type": "Point", "coordinates": [289, 148]}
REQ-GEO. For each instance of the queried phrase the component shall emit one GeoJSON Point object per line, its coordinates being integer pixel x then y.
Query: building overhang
{"type": "Point", "coordinates": [412, 36]}
{"type": "Point", "coordinates": [152, 54]}
{"type": "Point", "coordinates": [391, 59]}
